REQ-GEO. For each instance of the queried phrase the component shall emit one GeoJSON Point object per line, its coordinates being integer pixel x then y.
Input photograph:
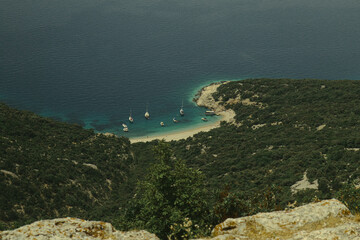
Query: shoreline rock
{"type": "Point", "coordinates": [205, 99]}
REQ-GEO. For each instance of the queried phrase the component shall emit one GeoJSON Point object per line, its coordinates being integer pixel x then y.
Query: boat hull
{"type": "Point", "coordinates": [210, 113]}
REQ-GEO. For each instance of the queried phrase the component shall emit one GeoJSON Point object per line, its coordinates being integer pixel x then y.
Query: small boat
{"type": "Point", "coordinates": [131, 120]}
{"type": "Point", "coordinates": [147, 115]}
{"type": "Point", "coordinates": [124, 125]}
{"type": "Point", "coordinates": [162, 124]}
{"type": "Point", "coordinates": [174, 120]}
{"type": "Point", "coordinates": [125, 129]}
{"type": "Point", "coordinates": [204, 119]}
{"type": "Point", "coordinates": [210, 113]}
{"type": "Point", "coordinates": [182, 113]}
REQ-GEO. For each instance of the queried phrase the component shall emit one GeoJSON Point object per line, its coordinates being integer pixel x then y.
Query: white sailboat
{"type": "Point", "coordinates": [182, 113]}
{"type": "Point", "coordinates": [147, 115]}
{"type": "Point", "coordinates": [124, 125]}
{"type": "Point", "coordinates": [131, 120]}
{"type": "Point", "coordinates": [162, 124]}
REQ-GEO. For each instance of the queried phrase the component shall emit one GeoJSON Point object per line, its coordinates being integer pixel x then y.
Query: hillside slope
{"type": "Point", "coordinates": [292, 140]}
{"type": "Point", "coordinates": [51, 169]}
{"type": "Point", "coordinates": [285, 131]}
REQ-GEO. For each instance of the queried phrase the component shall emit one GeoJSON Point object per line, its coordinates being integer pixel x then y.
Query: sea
{"type": "Point", "coordinates": [91, 62]}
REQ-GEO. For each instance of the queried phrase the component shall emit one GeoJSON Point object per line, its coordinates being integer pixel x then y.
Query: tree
{"type": "Point", "coordinates": [170, 202]}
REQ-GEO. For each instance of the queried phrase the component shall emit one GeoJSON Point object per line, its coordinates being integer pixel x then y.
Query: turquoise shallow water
{"type": "Point", "coordinates": [90, 61]}
{"type": "Point", "coordinates": [142, 127]}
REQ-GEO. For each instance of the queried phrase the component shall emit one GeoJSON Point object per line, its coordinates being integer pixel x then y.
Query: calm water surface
{"type": "Point", "coordinates": [90, 61]}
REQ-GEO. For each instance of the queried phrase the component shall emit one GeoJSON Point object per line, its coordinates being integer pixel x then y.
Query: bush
{"type": "Point", "coordinates": [350, 196]}
{"type": "Point", "coordinates": [170, 202]}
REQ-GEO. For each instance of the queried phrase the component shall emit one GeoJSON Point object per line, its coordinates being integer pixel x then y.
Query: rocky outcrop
{"type": "Point", "coordinates": [205, 99]}
{"type": "Point", "coordinates": [304, 184]}
{"type": "Point", "coordinates": [73, 228]}
{"type": "Point", "coordinates": [329, 219]}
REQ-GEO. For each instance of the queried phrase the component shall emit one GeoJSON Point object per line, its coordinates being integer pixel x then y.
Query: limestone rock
{"type": "Point", "coordinates": [73, 228]}
{"type": "Point", "coordinates": [329, 219]}
{"type": "Point", "coordinates": [205, 99]}
{"type": "Point", "coordinates": [304, 184]}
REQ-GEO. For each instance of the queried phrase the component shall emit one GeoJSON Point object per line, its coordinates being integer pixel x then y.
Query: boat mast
{"type": "Point", "coordinates": [182, 108]}
{"type": "Point", "coordinates": [130, 117]}
{"type": "Point", "coordinates": [147, 115]}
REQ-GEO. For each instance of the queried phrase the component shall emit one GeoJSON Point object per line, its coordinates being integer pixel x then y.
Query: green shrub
{"type": "Point", "coordinates": [170, 201]}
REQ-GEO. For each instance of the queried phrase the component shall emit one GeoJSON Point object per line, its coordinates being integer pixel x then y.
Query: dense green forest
{"type": "Point", "coordinates": [51, 169]}
{"type": "Point", "coordinates": [283, 129]}
{"type": "Point", "coordinates": [295, 126]}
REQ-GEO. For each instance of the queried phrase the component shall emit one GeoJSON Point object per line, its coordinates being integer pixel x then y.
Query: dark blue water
{"type": "Point", "coordinates": [90, 61]}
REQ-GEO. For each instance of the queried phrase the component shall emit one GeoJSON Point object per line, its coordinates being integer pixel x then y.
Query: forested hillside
{"type": "Point", "coordinates": [284, 128]}
{"type": "Point", "coordinates": [51, 169]}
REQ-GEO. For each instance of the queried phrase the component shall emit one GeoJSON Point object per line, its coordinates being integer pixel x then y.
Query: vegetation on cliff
{"type": "Point", "coordinates": [171, 200]}
{"type": "Point", "coordinates": [51, 169]}
{"type": "Point", "coordinates": [285, 128]}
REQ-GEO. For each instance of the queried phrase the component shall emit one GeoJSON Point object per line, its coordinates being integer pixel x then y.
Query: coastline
{"type": "Point", "coordinates": [203, 98]}
{"type": "Point", "coordinates": [173, 136]}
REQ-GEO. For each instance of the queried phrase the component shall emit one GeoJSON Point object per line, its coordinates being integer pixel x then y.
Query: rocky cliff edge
{"type": "Point", "coordinates": [328, 219]}
{"type": "Point", "coordinates": [73, 228]}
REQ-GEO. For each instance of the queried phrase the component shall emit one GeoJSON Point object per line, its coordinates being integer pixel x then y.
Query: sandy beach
{"type": "Point", "coordinates": [204, 99]}
{"type": "Point", "coordinates": [177, 135]}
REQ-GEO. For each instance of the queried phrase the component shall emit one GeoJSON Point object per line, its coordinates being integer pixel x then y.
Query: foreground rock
{"type": "Point", "coordinates": [328, 219]}
{"type": "Point", "coordinates": [73, 228]}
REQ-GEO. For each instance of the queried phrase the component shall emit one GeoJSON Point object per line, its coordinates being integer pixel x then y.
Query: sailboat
{"type": "Point", "coordinates": [175, 121]}
{"type": "Point", "coordinates": [182, 109]}
{"type": "Point", "coordinates": [147, 115]}
{"type": "Point", "coordinates": [162, 124]}
{"type": "Point", "coordinates": [131, 120]}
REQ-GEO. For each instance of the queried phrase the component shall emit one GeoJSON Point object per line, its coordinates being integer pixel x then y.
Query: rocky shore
{"type": "Point", "coordinates": [205, 99]}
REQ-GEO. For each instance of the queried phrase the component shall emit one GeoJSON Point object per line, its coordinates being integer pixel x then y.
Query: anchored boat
{"type": "Point", "coordinates": [182, 113]}
{"type": "Point", "coordinates": [147, 115]}
{"type": "Point", "coordinates": [210, 113]}
{"type": "Point", "coordinates": [131, 120]}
